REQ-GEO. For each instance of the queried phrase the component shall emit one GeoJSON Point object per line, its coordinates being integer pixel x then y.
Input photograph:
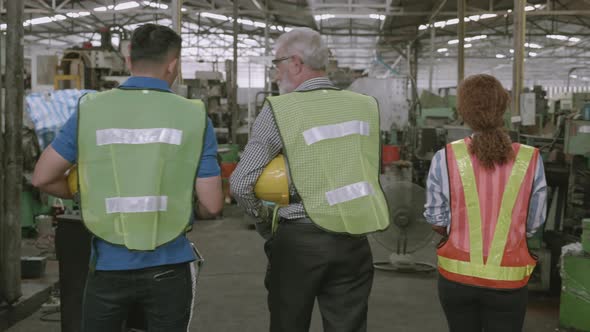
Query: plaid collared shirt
{"type": "Point", "coordinates": [264, 145]}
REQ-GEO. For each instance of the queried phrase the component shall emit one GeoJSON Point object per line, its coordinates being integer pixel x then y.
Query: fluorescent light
{"type": "Point", "coordinates": [377, 17]}
{"type": "Point", "coordinates": [574, 39]}
{"type": "Point", "coordinates": [422, 27]}
{"type": "Point", "coordinates": [500, 56]}
{"type": "Point", "coordinates": [287, 29]}
{"type": "Point", "coordinates": [155, 5]}
{"type": "Point", "coordinates": [440, 24]}
{"type": "Point", "coordinates": [324, 17]}
{"type": "Point", "coordinates": [100, 9]}
{"type": "Point", "coordinates": [484, 16]}
{"type": "Point", "coordinates": [441, 50]}
{"type": "Point", "coordinates": [558, 37]}
{"type": "Point", "coordinates": [532, 45]}
{"type": "Point", "coordinates": [453, 41]}
{"type": "Point", "coordinates": [474, 18]}
{"type": "Point", "coordinates": [126, 5]}
{"type": "Point", "coordinates": [511, 51]}
{"type": "Point", "coordinates": [533, 54]}
{"type": "Point", "coordinates": [183, 9]}
{"type": "Point", "coordinates": [467, 45]}
{"type": "Point", "coordinates": [453, 21]}
{"type": "Point", "coordinates": [574, 76]}
{"type": "Point", "coordinates": [215, 16]}
{"type": "Point", "coordinates": [3, 26]}
{"type": "Point", "coordinates": [529, 8]}
{"type": "Point", "coordinates": [539, 6]}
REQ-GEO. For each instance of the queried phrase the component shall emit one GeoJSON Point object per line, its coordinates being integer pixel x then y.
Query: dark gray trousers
{"type": "Point", "coordinates": [163, 293]}
{"type": "Point", "coordinates": [474, 309]}
{"type": "Point", "coordinates": [308, 263]}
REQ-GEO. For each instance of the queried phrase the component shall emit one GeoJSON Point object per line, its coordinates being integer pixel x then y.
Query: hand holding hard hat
{"type": "Point", "coordinates": [273, 183]}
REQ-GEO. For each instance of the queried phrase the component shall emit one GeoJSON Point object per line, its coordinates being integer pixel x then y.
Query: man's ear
{"type": "Point", "coordinates": [296, 65]}
{"type": "Point", "coordinates": [172, 66]}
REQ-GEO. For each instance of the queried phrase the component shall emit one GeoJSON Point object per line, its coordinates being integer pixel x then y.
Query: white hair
{"type": "Point", "coordinates": [307, 44]}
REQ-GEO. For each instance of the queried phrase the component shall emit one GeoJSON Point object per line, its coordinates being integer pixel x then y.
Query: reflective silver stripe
{"type": "Point", "coordinates": [138, 136]}
{"type": "Point", "coordinates": [321, 133]}
{"type": "Point", "coordinates": [350, 192]}
{"type": "Point", "coordinates": [136, 204]}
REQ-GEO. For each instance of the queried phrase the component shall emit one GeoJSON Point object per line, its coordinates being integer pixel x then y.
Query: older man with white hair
{"type": "Point", "coordinates": [330, 139]}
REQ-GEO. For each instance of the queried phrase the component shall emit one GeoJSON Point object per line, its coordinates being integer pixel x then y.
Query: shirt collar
{"type": "Point", "coordinates": [146, 83]}
{"type": "Point", "coordinates": [315, 83]}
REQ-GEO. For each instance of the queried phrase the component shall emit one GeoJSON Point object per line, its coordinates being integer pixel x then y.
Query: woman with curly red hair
{"type": "Point", "coordinates": [485, 195]}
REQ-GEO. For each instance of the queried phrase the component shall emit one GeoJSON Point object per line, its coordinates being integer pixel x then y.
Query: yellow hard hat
{"type": "Point", "coordinates": [73, 179]}
{"type": "Point", "coordinates": [273, 183]}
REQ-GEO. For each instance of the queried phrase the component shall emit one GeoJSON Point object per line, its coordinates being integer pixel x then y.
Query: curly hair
{"type": "Point", "coordinates": [482, 101]}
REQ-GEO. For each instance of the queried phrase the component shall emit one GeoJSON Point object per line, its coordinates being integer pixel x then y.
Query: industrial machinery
{"type": "Point", "coordinates": [210, 87]}
{"type": "Point", "coordinates": [408, 231]}
{"type": "Point", "coordinates": [93, 68]}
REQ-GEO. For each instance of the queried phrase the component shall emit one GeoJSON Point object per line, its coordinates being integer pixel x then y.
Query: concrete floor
{"type": "Point", "coordinates": [231, 295]}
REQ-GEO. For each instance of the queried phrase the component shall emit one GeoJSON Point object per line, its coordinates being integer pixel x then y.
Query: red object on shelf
{"type": "Point", "coordinates": [389, 154]}
{"type": "Point", "coordinates": [227, 169]}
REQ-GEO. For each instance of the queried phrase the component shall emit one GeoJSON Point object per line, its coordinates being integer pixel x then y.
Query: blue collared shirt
{"type": "Point", "coordinates": [114, 257]}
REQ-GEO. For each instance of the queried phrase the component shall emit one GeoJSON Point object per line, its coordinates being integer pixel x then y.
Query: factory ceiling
{"type": "Point", "coordinates": [361, 33]}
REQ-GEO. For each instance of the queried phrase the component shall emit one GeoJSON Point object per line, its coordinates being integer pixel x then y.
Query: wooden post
{"type": "Point", "coordinates": [11, 240]}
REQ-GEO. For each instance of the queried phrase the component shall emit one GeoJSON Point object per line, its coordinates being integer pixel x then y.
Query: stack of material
{"type": "Point", "coordinates": [575, 290]}
{"type": "Point", "coordinates": [50, 111]}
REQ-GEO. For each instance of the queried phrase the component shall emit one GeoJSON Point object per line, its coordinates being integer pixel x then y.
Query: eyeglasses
{"type": "Point", "coordinates": [275, 62]}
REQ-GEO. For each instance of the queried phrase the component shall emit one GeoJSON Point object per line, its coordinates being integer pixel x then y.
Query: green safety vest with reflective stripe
{"type": "Point", "coordinates": [138, 153]}
{"type": "Point", "coordinates": [490, 273]}
{"type": "Point", "coordinates": [331, 143]}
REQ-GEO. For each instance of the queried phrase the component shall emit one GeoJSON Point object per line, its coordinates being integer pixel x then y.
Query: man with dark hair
{"type": "Point", "coordinates": [138, 149]}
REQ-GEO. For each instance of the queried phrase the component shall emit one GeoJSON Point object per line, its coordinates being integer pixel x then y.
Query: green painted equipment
{"type": "Point", "coordinates": [577, 137]}
{"type": "Point", "coordinates": [575, 294]}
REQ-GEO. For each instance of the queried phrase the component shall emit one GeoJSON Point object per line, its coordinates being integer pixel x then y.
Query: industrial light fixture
{"type": "Point", "coordinates": [441, 50]}
{"type": "Point", "coordinates": [126, 5]}
{"type": "Point", "coordinates": [155, 5]}
{"type": "Point", "coordinates": [533, 54]}
{"type": "Point", "coordinates": [500, 56]}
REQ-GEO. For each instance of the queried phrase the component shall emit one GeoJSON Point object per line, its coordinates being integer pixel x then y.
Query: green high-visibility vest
{"type": "Point", "coordinates": [331, 142]}
{"type": "Point", "coordinates": [138, 153]}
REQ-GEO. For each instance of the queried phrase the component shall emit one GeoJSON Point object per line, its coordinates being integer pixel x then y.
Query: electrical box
{"type": "Point", "coordinates": [577, 137]}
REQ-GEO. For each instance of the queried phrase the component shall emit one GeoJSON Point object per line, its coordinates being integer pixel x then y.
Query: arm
{"type": "Point", "coordinates": [210, 197]}
{"type": "Point", "coordinates": [538, 202]}
{"type": "Point", "coordinates": [49, 175]}
{"type": "Point", "coordinates": [436, 209]}
{"type": "Point", "coordinates": [208, 184]}
{"type": "Point", "coordinates": [264, 145]}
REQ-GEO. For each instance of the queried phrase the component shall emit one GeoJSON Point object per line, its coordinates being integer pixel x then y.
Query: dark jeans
{"type": "Point", "coordinates": [164, 293]}
{"type": "Point", "coordinates": [474, 309]}
{"type": "Point", "coordinates": [309, 263]}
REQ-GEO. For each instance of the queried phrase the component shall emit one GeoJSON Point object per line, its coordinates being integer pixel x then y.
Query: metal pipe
{"type": "Point", "coordinates": [234, 73]}
{"type": "Point", "coordinates": [296, 13]}
{"type": "Point", "coordinates": [431, 69]}
{"type": "Point", "coordinates": [461, 45]}
{"type": "Point", "coordinates": [518, 62]}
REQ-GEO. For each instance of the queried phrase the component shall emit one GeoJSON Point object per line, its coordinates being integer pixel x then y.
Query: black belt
{"type": "Point", "coordinates": [296, 221]}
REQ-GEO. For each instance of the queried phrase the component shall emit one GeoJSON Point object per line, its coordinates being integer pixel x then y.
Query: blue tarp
{"type": "Point", "coordinates": [49, 111]}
